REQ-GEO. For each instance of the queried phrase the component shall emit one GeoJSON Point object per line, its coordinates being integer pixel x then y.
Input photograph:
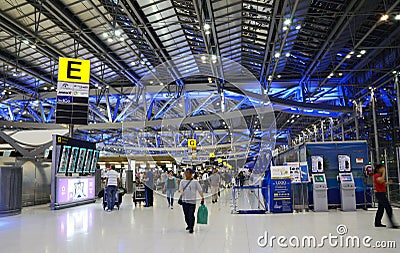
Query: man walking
{"type": "Point", "coordinates": [383, 202]}
{"type": "Point", "coordinates": [149, 186]}
{"type": "Point", "coordinates": [215, 181]}
{"type": "Point", "coordinates": [112, 182]}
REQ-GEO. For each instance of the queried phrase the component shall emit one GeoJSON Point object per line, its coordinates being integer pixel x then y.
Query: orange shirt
{"type": "Point", "coordinates": [380, 187]}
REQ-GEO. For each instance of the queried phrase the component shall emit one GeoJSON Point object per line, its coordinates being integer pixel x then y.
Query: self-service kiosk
{"type": "Point", "coordinates": [320, 196]}
{"type": "Point", "coordinates": [347, 192]}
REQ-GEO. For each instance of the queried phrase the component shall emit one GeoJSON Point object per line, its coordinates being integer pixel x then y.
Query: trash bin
{"type": "Point", "coordinates": [10, 190]}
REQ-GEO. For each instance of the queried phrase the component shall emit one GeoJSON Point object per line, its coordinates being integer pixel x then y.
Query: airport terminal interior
{"type": "Point", "coordinates": [199, 126]}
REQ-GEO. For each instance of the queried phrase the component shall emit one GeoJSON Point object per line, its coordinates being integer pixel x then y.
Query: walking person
{"type": "Point", "coordinates": [380, 194]}
{"type": "Point", "coordinates": [112, 182]}
{"type": "Point", "coordinates": [170, 188]}
{"type": "Point", "coordinates": [205, 181]}
{"type": "Point", "coordinates": [148, 186]}
{"type": "Point", "coordinates": [215, 181]}
{"type": "Point", "coordinates": [188, 188]}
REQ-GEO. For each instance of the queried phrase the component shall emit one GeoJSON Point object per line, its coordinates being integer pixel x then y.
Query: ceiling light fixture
{"type": "Point", "coordinates": [287, 22]}
{"type": "Point", "coordinates": [277, 55]}
{"type": "Point", "coordinates": [285, 28]}
{"type": "Point", "coordinates": [384, 17]}
{"type": "Point", "coordinates": [207, 26]}
{"type": "Point", "coordinates": [397, 17]}
{"type": "Point", "coordinates": [161, 84]}
{"type": "Point", "coordinates": [298, 27]}
{"type": "Point", "coordinates": [340, 74]}
{"type": "Point", "coordinates": [348, 56]}
{"type": "Point", "coordinates": [110, 40]}
{"type": "Point", "coordinates": [359, 55]}
{"type": "Point", "coordinates": [287, 54]}
{"type": "Point", "coordinates": [118, 33]}
{"type": "Point", "coordinates": [363, 52]}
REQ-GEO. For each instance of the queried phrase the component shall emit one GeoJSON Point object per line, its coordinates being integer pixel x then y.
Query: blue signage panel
{"type": "Point", "coordinates": [281, 196]}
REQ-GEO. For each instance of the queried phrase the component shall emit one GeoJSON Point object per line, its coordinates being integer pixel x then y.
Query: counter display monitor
{"type": "Point", "coordinates": [319, 179]}
{"type": "Point", "coordinates": [88, 161]}
{"type": "Point", "coordinates": [75, 189]}
{"type": "Point", "coordinates": [81, 160]}
{"type": "Point", "coordinates": [346, 178]}
{"type": "Point", "coordinates": [62, 168]}
{"type": "Point", "coordinates": [96, 154]}
{"type": "Point", "coordinates": [73, 159]}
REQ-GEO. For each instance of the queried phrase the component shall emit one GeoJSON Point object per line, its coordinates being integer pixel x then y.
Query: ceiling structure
{"type": "Point", "coordinates": [313, 58]}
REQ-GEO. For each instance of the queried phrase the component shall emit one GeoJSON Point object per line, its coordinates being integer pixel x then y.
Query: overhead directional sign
{"type": "Point", "coordinates": [73, 91]}
{"type": "Point", "coordinates": [192, 143]}
{"type": "Point", "coordinates": [73, 70]}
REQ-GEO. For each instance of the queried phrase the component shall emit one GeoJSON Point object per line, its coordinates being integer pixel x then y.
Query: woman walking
{"type": "Point", "coordinates": [188, 188]}
{"type": "Point", "coordinates": [170, 187]}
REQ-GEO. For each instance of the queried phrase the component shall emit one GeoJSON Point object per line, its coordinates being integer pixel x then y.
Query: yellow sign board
{"type": "Point", "coordinates": [192, 143]}
{"type": "Point", "coordinates": [219, 160]}
{"type": "Point", "coordinates": [212, 155]}
{"type": "Point", "coordinates": [73, 70]}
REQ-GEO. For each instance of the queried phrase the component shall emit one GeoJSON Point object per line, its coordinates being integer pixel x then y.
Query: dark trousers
{"type": "Point", "coordinates": [188, 211]}
{"type": "Point", "coordinates": [383, 204]}
{"type": "Point", "coordinates": [149, 196]}
{"type": "Point", "coordinates": [111, 191]}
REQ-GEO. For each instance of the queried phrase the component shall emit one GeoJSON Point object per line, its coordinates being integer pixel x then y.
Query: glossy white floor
{"type": "Point", "coordinates": [159, 229]}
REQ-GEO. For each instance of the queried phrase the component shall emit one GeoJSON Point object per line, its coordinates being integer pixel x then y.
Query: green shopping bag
{"type": "Point", "coordinates": [202, 215]}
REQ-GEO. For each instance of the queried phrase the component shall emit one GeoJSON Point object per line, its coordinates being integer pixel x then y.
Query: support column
{"type": "Point", "coordinates": [315, 133]}
{"type": "Point", "coordinates": [375, 126]}
{"type": "Point", "coordinates": [356, 124]}
{"type": "Point", "coordinates": [71, 130]}
{"type": "Point", "coordinates": [322, 131]}
{"type": "Point", "coordinates": [397, 87]}
{"type": "Point", "coordinates": [342, 131]}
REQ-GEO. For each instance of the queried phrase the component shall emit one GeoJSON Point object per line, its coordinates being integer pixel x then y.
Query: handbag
{"type": "Point", "coordinates": [202, 214]}
{"type": "Point", "coordinates": [180, 202]}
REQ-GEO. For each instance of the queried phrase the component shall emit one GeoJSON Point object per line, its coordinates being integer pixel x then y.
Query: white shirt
{"type": "Point", "coordinates": [189, 195]}
{"type": "Point", "coordinates": [112, 176]}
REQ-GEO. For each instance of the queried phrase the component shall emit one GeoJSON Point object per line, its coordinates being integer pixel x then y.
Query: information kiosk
{"type": "Point", "coordinates": [347, 185]}
{"type": "Point", "coordinates": [320, 188]}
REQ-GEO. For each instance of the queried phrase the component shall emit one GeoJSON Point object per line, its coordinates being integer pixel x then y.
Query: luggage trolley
{"type": "Point", "coordinates": [139, 194]}
{"type": "Point", "coordinates": [118, 198]}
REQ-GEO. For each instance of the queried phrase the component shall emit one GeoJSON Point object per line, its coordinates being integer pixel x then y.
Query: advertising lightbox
{"type": "Point", "coordinates": [75, 189]}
